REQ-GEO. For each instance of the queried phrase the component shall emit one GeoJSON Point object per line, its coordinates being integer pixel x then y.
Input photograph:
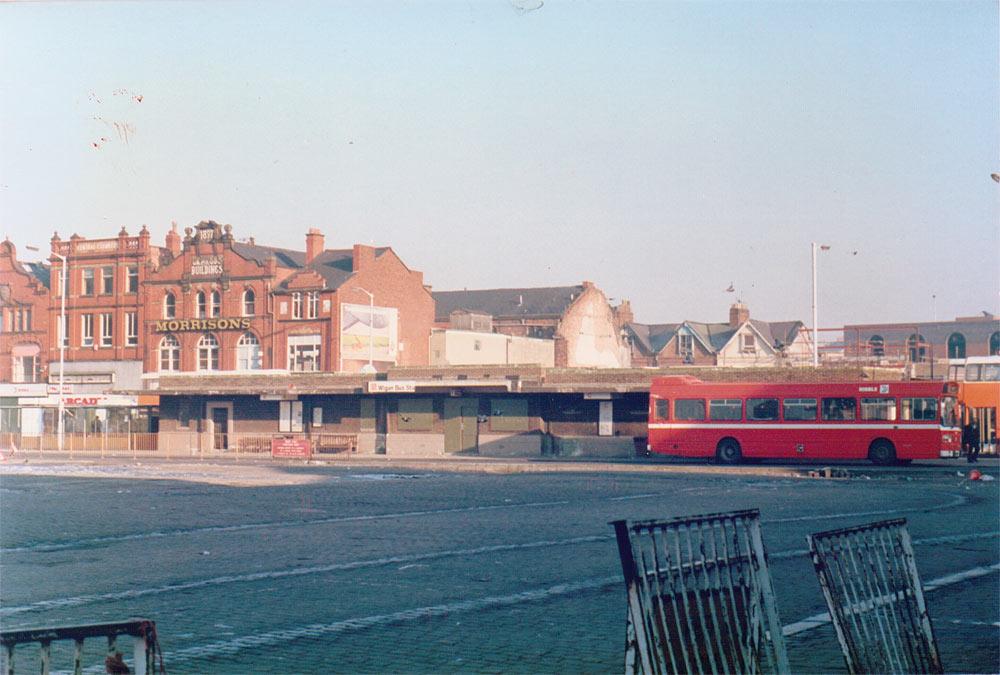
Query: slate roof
{"type": "Point", "coordinates": [508, 302]}
{"type": "Point", "coordinates": [335, 266]}
{"type": "Point", "coordinates": [259, 254]}
{"type": "Point", "coordinates": [652, 337]}
{"type": "Point", "coordinates": [40, 271]}
{"type": "Point", "coordinates": [778, 332]}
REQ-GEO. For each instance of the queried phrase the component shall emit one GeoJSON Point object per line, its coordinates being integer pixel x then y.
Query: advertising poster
{"type": "Point", "coordinates": [359, 325]}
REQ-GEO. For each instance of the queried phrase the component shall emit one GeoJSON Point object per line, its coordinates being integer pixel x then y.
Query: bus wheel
{"type": "Point", "coordinates": [882, 453]}
{"type": "Point", "coordinates": [728, 452]}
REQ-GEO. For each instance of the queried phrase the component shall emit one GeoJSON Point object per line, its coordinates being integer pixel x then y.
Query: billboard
{"type": "Point", "coordinates": [359, 324]}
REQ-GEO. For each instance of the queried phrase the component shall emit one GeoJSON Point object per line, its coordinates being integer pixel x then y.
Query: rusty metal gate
{"type": "Point", "coordinates": [700, 598]}
{"type": "Point", "coordinates": [870, 581]}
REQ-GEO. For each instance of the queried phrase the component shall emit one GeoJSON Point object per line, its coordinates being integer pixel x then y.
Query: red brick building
{"type": "Point", "coordinates": [24, 320]}
{"type": "Point", "coordinates": [217, 304]}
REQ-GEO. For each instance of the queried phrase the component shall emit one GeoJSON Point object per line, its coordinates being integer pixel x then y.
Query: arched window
{"type": "Point", "coordinates": [917, 347]}
{"type": "Point", "coordinates": [995, 344]}
{"type": "Point", "coordinates": [169, 306]}
{"type": "Point", "coordinates": [170, 353]}
{"type": "Point", "coordinates": [202, 308]}
{"type": "Point", "coordinates": [249, 301]}
{"type": "Point", "coordinates": [208, 353]}
{"type": "Point", "coordinates": [248, 352]}
{"type": "Point", "coordinates": [956, 346]}
{"type": "Point", "coordinates": [213, 310]}
{"type": "Point", "coordinates": [876, 345]}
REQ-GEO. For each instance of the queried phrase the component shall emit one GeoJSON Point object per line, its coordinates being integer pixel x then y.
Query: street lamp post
{"type": "Point", "coordinates": [369, 369]}
{"type": "Point", "coordinates": [63, 282]}
{"type": "Point", "coordinates": [815, 336]}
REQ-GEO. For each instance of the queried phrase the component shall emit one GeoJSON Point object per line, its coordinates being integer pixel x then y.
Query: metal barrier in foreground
{"type": "Point", "coordinates": [700, 598]}
{"type": "Point", "coordinates": [144, 650]}
{"type": "Point", "coordinates": [870, 581]}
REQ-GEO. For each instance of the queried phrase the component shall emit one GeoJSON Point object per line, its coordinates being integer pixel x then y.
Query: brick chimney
{"type": "Point", "coordinates": [738, 314]}
{"type": "Point", "coordinates": [623, 313]}
{"type": "Point", "coordinates": [173, 240]}
{"type": "Point", "coordinates": [364, 256]}
{"type": "Point", "coordinates": [314, 244]}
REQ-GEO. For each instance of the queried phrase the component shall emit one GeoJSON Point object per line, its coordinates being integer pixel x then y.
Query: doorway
{"type": "Point", "coordinates": [461, 425]}
{"type": "Point", "coordinates": [220, 418]}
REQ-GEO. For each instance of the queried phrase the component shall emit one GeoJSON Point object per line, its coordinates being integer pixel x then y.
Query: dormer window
{"type": "Point", "coordinates": [749, 343]}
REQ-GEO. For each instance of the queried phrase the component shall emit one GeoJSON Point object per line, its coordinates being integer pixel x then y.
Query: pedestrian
{"type": "Point", "coordinates": [970, 441]}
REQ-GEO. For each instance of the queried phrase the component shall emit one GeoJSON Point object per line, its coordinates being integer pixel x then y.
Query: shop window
{"type": "Point", "coordinates": [248, 352]}
{"type": "Point", "coordinates": [415, 414]}
{"type": "Point", "coordinates": [839, 409]}
{"type": "Point", "coordinates": [304, 353]}
{"type": "Point", "coordinates": [509, 414]}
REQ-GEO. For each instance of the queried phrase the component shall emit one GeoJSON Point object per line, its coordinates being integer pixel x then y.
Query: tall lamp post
{"type": "Point", "coordinates": [63, 281]}
{"type": "Point", "coordinates": [821, 247]}
{"type": "Point", "coordinates": [369, 369]}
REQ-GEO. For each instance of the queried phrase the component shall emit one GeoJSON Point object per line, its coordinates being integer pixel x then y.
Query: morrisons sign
{"type": "Point", "coordinates": [176, 325]}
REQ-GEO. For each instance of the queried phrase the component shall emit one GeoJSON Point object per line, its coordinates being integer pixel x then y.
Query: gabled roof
{"type": "Point", "coordinates": [259, 254]}
{"type": "Point", "coordinates": [652, 337]}
{"type": "Point", "coordinates": [713, 335]}
{"type": "Point", "coordinates": [40, 271]}
{"type": "Point", "coordinates": [335, 266]}
{"type": "Point", "coordinates": [508, 302]}
{"type": "Point", "coordinates": [778, 333]}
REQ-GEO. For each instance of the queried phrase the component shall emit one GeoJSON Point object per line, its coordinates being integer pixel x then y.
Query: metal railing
{"type": "Point", "coordinates": [145, 646]}
{"type": "Point", "coordinates": [700, 598]}
{"type": "Point", "coordinates": [869, 579]}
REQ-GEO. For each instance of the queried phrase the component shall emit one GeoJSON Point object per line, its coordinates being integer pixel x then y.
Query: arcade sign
{"type": "Point", "coordinates": [178, 325]}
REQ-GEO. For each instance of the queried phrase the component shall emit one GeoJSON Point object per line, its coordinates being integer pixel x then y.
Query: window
{"type": "Point", "coordinates": [201, 305]}
{"type": "Point", "coordinates": [303, 353]}
{"type": "Point", "coordinates": [88, 281]}
{"type": "Point", "coordinates": [249, 302]}
{"type": "Point", "coordinates": [956, 346]}
{"type": "Point", "coordinates": [216, 299]}
{"type": "Point", "coordinates": [290, 416]}
{"type": "Point", "coordinates": [64, 325]}
{"type": "Point", "coordinates": [313, 308]}
{"type": "Point", "coordinates": [798, 409]}
{"type": "Point", "coordinates": [662, 409]}
{"type": "Point", "coordinates": [762, 409]}
{"type": "Point", "coordinates": [132, 279]}
{"type": "Point", "coordinates": [689, 409]}
{"type": "Point", "coordinates": [477, 345]}
{"type": "Point", "coordinates": [248, 352]}
{"type": "Point", "coordinates": [296, 305]}
{"type": "Point", "coordinates": [919, 409]}
{"type": "Point", "coordinates": [990, 372]}
{"type": "Point", "coordinates": [995, 343]}
{"type": "Point", "coordinates": [107, 330]}
{"type": "Point", "coordinates": [169, 306]}
{"type": "Point", "coordinates": [170, 354]}
{"type": "Point", "coordinates": [839, 409]}
{"type": "Point", "coordinates": [317, 417]}
{"type": "Point", "coordinates": [86, 330]}
{"type": "Point", "coordinates": [509, 414]}
{"type": "Point", "coordinates": [876, 345]}
{"type": "Point", "coordinates": [917, 347]}
{"type": "Point", "coordinates": [685, 345]}
{"type": "Point", "coordinates": [725, 409]}
{"type": "Point", "coordinates": [107, 280]}
{"type": "Point", "coordinates": [208, 353]}
{"type": "Point", "coordinates": [25, 363]}
{"type": "Point", "coordinates": [131, 329]}
{"type": "Point", "coordinates": [878, 409]}
{"type": "Point", "coordinates": [748, 343]}
{"type": "Point", "coordinates": [415, 414]}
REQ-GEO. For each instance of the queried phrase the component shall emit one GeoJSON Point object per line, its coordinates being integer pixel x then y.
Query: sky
{"type": "Point", "coordinates": [662, 150]}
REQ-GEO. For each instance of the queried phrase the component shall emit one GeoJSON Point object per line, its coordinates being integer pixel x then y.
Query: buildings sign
{"type": "Point", "coordinates": [207, 266]}
{"type": "Point", "coordinates": [176, 325]}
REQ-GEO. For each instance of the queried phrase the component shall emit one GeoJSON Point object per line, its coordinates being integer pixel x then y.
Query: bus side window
{"type": "Point", "coordinates": [838, 409]}
{"type": "Point", "coordinates": [799, 409]}
{"type": "Point", "coordinates": [920, 409]}
{"type": "Point", "coordinates": [662, 409]}
{"type": "Point", "coordinates": [689, 409]}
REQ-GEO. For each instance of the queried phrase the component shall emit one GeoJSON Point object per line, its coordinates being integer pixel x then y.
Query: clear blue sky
{"type": "Point", "coordinates": [659, 149]}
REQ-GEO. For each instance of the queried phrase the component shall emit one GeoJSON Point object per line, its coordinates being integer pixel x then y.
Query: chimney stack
{"type": "Point", "coordinates": [738, 314]}
{"type": "Point", "coordinates": [363, 257]}
{"type": "Point", "coordinates": [173, 240]}
{"type": "Point", "coordinates": [314, 244]}
{"type": "Point", "coordinates": [623, 313]}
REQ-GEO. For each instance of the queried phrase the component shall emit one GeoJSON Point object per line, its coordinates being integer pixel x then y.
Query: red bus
{"type": "Point", "coordinates": [885, 422]}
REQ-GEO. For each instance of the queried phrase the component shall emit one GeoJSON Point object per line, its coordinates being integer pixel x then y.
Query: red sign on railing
{"type": "Point", "coordinates": [291, 447]}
